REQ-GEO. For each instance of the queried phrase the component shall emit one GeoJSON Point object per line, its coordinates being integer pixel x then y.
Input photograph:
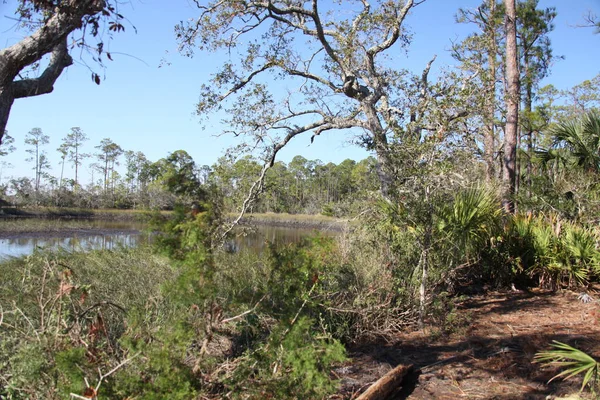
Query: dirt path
{"type": "Point", "coordinates": [489, 358]}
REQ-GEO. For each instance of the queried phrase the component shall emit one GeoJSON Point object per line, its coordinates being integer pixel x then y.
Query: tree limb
{"type": "Point", "coordinates": [68, 18]}
{"type": "Point", "coordinates": [389, 42]}
{"type": "Point", "coordinates": [44, 84]}
{"type": "Point", "coordinates": [258, 185]}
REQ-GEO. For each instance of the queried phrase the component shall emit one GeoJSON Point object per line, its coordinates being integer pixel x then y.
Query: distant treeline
{"type": "Point", "coordinates": [300, 186]}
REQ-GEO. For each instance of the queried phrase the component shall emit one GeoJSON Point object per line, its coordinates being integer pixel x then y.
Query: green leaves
{"type": "Point", "coordinates": [470, 219]}
{"type": "Point", "coordinates": [574, 361]}
{"type": "Point", "coordinates": [555, 252]}
{"type": "Point", "coordinates": [294, 363]}
{"type": "Point", "coordinates": [582, 139]}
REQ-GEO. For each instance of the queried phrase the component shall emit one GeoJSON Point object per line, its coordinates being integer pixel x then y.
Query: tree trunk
{"type": "Point", "coordinates": [76, 163]}
{"type": "Point", "coordinates": [387, 385]}
{"type": "Point", "coordinates": [62, 171]}
{"type": "Point", "coordinates": [37, 168]}
{"type": "Point", "coordinates": [529, 133]}
{"type": "Point", "coordinates": [509, 176]}
{"type": "Point", "coordinates": [489, 139]}
{"type": "Point", "coordinates": [381, 150]}
{"type": "Point", "coordinates": [6, 102]}
{"type": "Point", "coordinates": [425, 262]}
{"type": "Point", "coordinates": [50, 37]}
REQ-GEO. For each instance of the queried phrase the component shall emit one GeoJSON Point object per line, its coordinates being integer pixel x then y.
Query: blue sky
{"type": "Point", "coordinates": [146, 107]}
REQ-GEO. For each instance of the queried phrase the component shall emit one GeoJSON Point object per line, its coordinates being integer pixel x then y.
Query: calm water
{"type": "Point", "coordinates": [121, 236]}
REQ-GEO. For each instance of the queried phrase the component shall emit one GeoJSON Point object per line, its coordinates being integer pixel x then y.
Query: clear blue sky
{"type": "Point", "coordinates": [144, 107]}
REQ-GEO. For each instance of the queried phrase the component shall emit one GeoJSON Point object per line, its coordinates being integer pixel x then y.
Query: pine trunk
{"type": "Point", "coordinates": [489, 139]}
{"type": "Point", "coordinates": [509, 176]}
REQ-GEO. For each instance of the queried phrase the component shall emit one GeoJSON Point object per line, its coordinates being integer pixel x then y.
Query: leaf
{"type": "Point", "coordinates": [109, 56]}
{"type": "Point", "coordinates": [96, 78]}
{"type": "Point", "coordinates": [115, 27]}
{"type": "Point", "coordinates": [574, 360]}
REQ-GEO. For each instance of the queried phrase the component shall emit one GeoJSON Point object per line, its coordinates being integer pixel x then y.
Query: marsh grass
{"type": "Point", "coordinates": [64, 315]}
{"type": "Point", "coordinates": [20, 225]}
{"type": "Point", "coordinates": [290, 218]}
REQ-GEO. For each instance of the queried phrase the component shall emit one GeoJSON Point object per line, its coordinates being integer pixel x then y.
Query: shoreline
{"type": "Point", "coordinates": [291, 221]}
{"type": "Point", "coordinates": [299, 221]}
{"type": "Point", "coordinates": [72, 213]}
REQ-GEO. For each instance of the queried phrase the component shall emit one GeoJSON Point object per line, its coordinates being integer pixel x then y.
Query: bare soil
{"type": "Point", "coordinates": [490, 357]}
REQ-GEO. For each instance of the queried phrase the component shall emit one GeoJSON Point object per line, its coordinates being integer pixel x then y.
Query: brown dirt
{"type": "Point", "coordinates": [491, 356]}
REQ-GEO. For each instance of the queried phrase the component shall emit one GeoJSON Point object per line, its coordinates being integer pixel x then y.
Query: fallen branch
{"type": "Point", "coordinates": [226, 320]}
{"type": "Point", "coordinates": [385, 386]}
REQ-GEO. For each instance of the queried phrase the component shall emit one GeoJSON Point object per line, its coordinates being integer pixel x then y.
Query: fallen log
{"type": "Point", "coordinates": [387, 384]}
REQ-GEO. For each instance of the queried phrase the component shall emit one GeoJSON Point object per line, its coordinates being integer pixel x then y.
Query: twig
{"type": "Point", "coordinates": [102, 377]}
{"type": "Point", "coordinates": [90, 308]}
{"type": "Point", "coordinates": [30, 323]}
{"type": "Point", "coordinates": [226, 320]}
{"type": "Point", "coordinates": [301, 307]}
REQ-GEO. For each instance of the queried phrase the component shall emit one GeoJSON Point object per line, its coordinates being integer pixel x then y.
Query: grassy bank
{"type": "Point", "coordinates": [293, 220]}
{"type": "Point", "coordinates": [81, 213]}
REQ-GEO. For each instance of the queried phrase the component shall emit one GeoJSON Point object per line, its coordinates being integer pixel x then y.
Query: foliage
{"type": "Point", "coordinates": [553, 252]}
{"type": "Point", "coordinates": [582, 139]}
{"type": "Point", "coordinates": [7, 147]}
{"type": "Point", "coordinates": [293, 363]}
{"type": "Point", "coordinates": [64, 314]}
{"type": "Point", "coordinates": [574, 362]}
{"type": "Point", "coordinates": [470, 220]}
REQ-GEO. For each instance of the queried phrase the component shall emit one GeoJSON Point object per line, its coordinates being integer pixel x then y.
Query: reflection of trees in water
{"type": "Point", "coordinates": [256, 239]}
{"type": "Point", "coordinates": [24, 246]}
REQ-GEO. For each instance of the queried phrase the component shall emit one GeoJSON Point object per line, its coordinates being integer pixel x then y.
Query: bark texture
{"type": "Point", "coordinates": [51, 37]}
{"type": "Point", "coordinates": [509, 176]}
{"type": "Point", "coordinates": [387, 385]}
{"type": "Point", "coordinates": [489, 139]}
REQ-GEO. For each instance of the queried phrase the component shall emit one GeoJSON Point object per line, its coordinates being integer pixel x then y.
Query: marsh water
{"type": "Point", "coordinates": [98, 234]}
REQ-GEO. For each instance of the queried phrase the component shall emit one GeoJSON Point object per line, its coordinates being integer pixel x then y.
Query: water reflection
{"type": "Point", "coordinates": [258, 238]}
{"type": "Point", "coordinates": [254, 239]}
{"type": "Point", "coordinates": [26, 245]}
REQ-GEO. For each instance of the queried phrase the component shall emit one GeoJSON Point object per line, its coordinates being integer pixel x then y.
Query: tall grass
{"type": "Point", "coordinates": [64, 314]}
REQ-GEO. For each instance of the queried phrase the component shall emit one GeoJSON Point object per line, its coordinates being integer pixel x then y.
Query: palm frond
{"type": "Point", "coordinates": [581, 138]}
{"type": "Point", "coordinates": [574, 361]}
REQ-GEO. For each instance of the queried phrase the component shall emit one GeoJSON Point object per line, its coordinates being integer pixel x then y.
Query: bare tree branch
{"type": "Point", "coordinates": [258, 185]}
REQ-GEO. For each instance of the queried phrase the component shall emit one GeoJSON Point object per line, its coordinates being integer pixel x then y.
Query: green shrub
{"type": "Point", "coordinates": [64, 315]}
{"type": "Point", "coordinates": [294, 363]}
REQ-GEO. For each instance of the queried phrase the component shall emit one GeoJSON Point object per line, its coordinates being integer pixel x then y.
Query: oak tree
{"type": "Point", "coordinates": [51, 22]}
{"type": "Point", "coordinates": [309, 67]}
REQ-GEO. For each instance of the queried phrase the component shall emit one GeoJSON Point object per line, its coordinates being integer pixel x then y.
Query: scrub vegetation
{"type": "Point", "coordinates": [480, 204]}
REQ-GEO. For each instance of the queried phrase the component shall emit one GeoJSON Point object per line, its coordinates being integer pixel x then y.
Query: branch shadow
{"type": "Point", "coordinates": [481, 363]}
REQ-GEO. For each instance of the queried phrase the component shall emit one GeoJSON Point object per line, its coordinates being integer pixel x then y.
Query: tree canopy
{"type": "Point", "coordinates": [312, 67]}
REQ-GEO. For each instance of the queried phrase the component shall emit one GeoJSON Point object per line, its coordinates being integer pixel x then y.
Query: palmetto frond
{"type": "Point", "coordinates": [582, 139]}
{"type": "Point", "coordinates": [471, 218]}
{"type": "Point", "coordinates": [575, 361]}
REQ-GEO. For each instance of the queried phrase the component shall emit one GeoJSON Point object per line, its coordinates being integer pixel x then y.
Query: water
{"type": "Point", "coordinates": [15, 247]}
{"type": "Point", "coordinates": [82, 235]}
{"type": "Point", "coordinates": [96, 235]}
{"type": "Point", "coordinates": [258, 237]}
